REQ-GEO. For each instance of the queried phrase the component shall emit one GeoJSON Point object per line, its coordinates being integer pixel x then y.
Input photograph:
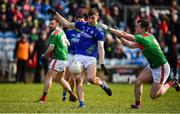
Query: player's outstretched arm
{"type": "Point", "coordinates": [101, 52]}
{"type": "Point", "coordinates": [119, 33]}
{"type": "Point", "coordinates": [101, 57]}
{"type": "Point", "coordinates": [61, 19]}
{"type": "Point", "coordinates": [49, 51]}
{"type": "Point", "coordinates": [130, 44]}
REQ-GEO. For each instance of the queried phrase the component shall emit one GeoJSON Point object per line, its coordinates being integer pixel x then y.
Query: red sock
{"type": "Point", "coordinates": [170, 83]}
{"type": "Point", "coordinates": [138, 103]}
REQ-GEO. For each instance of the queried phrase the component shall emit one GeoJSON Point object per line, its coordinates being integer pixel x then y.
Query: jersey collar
{"type": "Point", "coordinates": [92, 24]}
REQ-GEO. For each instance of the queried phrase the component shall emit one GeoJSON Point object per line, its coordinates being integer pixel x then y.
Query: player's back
{"type": "Point", "coordinates": [73, 36]}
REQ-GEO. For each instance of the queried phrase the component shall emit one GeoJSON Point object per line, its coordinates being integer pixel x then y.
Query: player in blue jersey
{"type": "Point", "coordinates": [73, 36]}
{"type": "Point", "coordinates": [91, 46]}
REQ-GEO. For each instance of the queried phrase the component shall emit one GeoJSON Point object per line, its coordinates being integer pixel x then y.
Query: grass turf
{"type": "Point", "coordinates": [19, 98]}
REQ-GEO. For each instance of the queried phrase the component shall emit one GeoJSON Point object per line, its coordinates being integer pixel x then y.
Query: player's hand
{"type": "Point", "coordinates": [42, 59]}
{"type": "Point", "coordinates": [106, 71]}
{"type": "Point", "coordinates": [103, 26]}
{"type": "Point", "coordinates": [51, 11]}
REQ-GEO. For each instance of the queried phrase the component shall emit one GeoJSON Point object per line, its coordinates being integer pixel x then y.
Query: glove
{"type": "Point", "coordinates": [106, 71]}
{"type": "Point", "coordinates": [42, 59]}
{"type": "Point", "coordinates": [103, 26]}
{"type": "Point", "coordinates": [51, 11]}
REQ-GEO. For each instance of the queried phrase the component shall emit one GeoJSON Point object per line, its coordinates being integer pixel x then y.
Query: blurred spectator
{"type": "Point", "coordinates": [34, 35]}
{"type": "Point", "coordinates": [154, 21]}
{"type": "Point", "coordinates": [31, 63]}
{"type": "Point", "coordinates": [21, 55]}
{"type": "Point", "coordinates": [73, 6]}
{"type": "Point", "coordinates": [37, 4]}
{"type": "Point", "coordinates": [18, 13]}
{"type": "Point", "coordinates": [95, 4]}
{"type": "Point", "coordinates": [164, 26]}
{"type": "Point", "coordinates": [41, 46]}
{"type": "Point", "coordinates": [116, 16]}
{"type": "Point", "coordinates": [26, 8]}
{"type": "Point", "coordinates": [82, 9]}
{"type": "Point", "coordinates": [109, 46]}
{"type": "Point", "coordinates": [43, 8]}
{"type": "Point", "coordinates": [61, 6]}
{"type": "Point", "coordinates": [118, 51]}
{"type": "Point", "coordinates": [172, 55]}
{"type": "Point", "coordinates": [4, 24]}
{"type": "Point", "coordinates": [174, 24]}
{"type": "Point", "coordinates": [29, 20]}
{"type": "Point", "coordinates": [164, 47]}
{"type": "Point", "coordinates": [3, 9]}
{"type": "Point", "coordinates": [14, 25]}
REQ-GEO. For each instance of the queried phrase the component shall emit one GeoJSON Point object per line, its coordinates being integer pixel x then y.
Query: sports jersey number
{"type": "Point", "coordinates": [64, 40]}
{"type": "Point", "coordinates": [156, 42]}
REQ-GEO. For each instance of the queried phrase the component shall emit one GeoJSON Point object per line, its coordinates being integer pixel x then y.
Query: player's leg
{"type": "Point", "coordinates": [160, 76]}
{"type": "Point", "coordinates": [66, 86]}
{"type": "Point", "coordinates": [66, 77]}
{"type": "Point", "coordinates": [47, 84]}
{"type": "Point", "coordinates": [145, 76]}
{"type": "Point", "coordinates": [80, 91]}
{"type": "Point", "coordinates": [60, 67]}
{"type": "Point", "coordinates": [93, 79]}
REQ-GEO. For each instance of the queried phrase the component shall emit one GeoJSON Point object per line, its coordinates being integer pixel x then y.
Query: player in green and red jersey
{"type": "Point", "coordinates": [57, 50]}
{"type": "Point", "coordinates": [158, 69]}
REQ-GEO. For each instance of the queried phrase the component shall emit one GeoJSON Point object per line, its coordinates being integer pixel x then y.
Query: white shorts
{"type": "Point", "coordinates": [70, 59]}
{"type": "Point", "coordinates": [85, 60]}
{"type": "Point", "coordinates": [161, 74]}
{"type": "Point", "coordinates": [58, 65]}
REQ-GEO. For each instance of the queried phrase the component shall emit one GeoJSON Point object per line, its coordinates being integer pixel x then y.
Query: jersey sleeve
{"type": "Point", "coordinates": [100, 36]}
{"type": "Point", "coordinates": [53, 40]}
{"type": "Point", "coordinates": [79, 25]}
{"type": "Point", "coordinates": [139, 39]}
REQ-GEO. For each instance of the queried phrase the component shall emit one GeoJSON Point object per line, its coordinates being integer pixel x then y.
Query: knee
{"type": "Point", "coordinates": [138, 82]}
{"type": "Point", "coordinates": [90, 80]}
{"type": "Point", "coordinates": [79, 84]}
{"type": "Point", "coordinates": [78, 81]}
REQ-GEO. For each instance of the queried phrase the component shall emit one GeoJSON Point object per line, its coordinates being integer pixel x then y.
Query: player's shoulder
{"type": "Point", "coordinates": [71, 31]}
{"type": "Point", "coordinates": [138, 36]}
{"type": "Point", "coordinates": [81, 23]}
{"type": "Point", "coordinates": [56, 32]}
{"type": "Point", "coordinates": [99, 28]}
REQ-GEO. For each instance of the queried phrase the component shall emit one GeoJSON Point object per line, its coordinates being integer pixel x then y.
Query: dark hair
{"type": "Point", "coordinates": [53, 18]}
{"type": "Point", "coordinates": [79, 16]}
{"type": "Point", "coordinates": [93, 11]}
{"type": "Point", "coordinates": [144, 24]}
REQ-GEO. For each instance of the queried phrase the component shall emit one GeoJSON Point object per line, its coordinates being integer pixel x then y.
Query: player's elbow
{"type": "Point", "coordinates": [101, 47]}
{"type": "Point", "coordinates": [69, 25]}
{"type": "Point", "coordinates": [66, 25]}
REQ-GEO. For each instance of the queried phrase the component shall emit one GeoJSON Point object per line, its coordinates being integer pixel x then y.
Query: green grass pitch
{"type": "Point", "coordinates": [18, 98]}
